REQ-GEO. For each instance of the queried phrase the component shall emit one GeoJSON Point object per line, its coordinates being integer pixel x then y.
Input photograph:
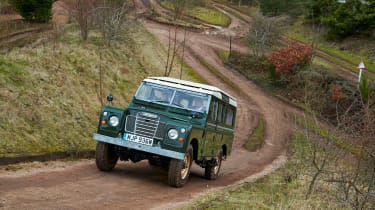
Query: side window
{"type": "Point", "coordinates": [223, 113]}
{"type": "Point", "coordinates": [230, 116]}
{"type": "Point", "coordinates": [220, 113]}
{"type": "Point", "coordinates": [213, 110]}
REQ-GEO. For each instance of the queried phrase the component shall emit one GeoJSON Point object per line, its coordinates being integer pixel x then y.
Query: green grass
{"type": "Point", "coordinates": [256, 138]}
{"type": "Point", "coordinates": [220, 75]}
{"type": "Point", "coordinates": [223, 55]}
{"type": "Point", "coordinates": [234, 12]}
{"type": "Point", "coordinates": [285, 188]}
{"type": "Point", "coordinates": [209, 15]}
{"type": "Point", "coordinates": [168, 20]}
{"type": "Point", "coordinates": [49, 94]}
{"type": "Point", "coordinates": [245, 9]}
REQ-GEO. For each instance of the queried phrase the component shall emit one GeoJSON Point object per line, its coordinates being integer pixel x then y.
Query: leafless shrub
{"type": "Point", "coordinates": [109, 18]}
{"type": "Point", "coordinates": [105, 15]}
{"type": "Point", "coordinates": [350, 177]}
{"type": "Point", "coordinates": [179, 7]}
{"type": "Point", "coordinates": [264, 33]}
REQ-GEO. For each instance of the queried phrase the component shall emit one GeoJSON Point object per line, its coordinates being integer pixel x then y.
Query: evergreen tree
{"type": "Point", "coordinates": [34, 10]}
{"type": "Point", "coordinates": [292, 8]}
{"type": "Point", "coordinates": [354, 17]}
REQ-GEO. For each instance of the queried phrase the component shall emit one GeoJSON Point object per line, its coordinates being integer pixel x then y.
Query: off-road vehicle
{"type": "Point", "coordinates": [171, 123]}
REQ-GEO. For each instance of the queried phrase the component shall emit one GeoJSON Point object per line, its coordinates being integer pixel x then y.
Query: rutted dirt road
{"type": "Point", "coordinates": [79, 185]}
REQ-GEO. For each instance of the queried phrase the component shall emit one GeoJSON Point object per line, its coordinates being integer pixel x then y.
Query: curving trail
{"type": "Point", "coordinates": [79, 185]}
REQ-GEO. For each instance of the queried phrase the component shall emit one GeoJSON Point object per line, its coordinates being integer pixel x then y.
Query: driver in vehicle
{"type": "Point", "coordinates": [163, 96]}
{"type": "Point", "coordinates": [199, 105]}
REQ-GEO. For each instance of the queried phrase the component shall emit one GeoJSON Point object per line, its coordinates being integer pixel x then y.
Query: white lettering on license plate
{"type": "Point", "coordinates": [138, 139]}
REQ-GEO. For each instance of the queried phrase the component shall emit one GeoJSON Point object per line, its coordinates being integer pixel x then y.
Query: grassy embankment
{"type": "Point", "coordinates": [239, 10]}
{"type": "Point", "coordinates": [49, 94]}
{"type": "Point", "coordinates": [20, 30]}
{"type": "Point", "coordinates": [286, 188]}
{"type": "Point", "coordinates": [208, 14]}
{"type": "Point", "coordinates": [347, 54]}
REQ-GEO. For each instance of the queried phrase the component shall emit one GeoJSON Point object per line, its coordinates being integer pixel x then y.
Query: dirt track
{"type": "Point", "coordinates": [79, 185]}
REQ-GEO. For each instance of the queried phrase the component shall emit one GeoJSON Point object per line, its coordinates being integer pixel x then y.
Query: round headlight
{"type": "Point", "coordinates": [114, 121]}
{"type": "Point", "coordinates": [173, 134]}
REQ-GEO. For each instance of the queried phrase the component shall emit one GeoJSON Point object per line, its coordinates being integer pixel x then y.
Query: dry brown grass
{"type": "Point", "coordinates": [49, 94]}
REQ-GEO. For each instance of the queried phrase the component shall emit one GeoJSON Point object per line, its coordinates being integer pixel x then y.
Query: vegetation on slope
{"type": "Point", "coordinates": [283, 189]}
{"type": "Point", "coordinates": [49, 94]}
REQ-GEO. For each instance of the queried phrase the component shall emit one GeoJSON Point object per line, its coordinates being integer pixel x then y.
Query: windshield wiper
{"type": "Point", "coordinates": [179, 105]}
{"type": "Point", "coordinates": [161, 101]}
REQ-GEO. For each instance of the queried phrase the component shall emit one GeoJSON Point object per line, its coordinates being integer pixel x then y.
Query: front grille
{"type": "Point", "coordinates": [160, 131]}
{"type": "Point", "coordinates": [145, 125]}
{"type": "Point", "coordinates": [130, 123]}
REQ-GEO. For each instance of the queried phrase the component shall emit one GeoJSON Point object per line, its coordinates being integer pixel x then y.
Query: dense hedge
{"type": "Point", "coordinates": [34, 10]}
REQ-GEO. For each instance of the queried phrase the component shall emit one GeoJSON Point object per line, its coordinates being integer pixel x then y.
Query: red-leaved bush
{"type": "Point", "coordinates": [337, 93]}
{"type": "Point", "coordinates": [284, 59]}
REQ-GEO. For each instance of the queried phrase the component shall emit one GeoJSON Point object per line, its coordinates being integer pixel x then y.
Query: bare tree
{"type": "Point", "coordinates": [82, 14]}
{"type": "Point", "coordinates": [109, 18]}
{"type": "Point", "coordinates": [179, 7]}
{"type": "Point", "coordinates": [264, 33]}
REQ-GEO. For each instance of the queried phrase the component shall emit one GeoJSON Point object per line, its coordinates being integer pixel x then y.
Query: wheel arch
{"type": "Point", "coordinates": [224, 149]}
{"type": "Point", "coordinates": [194, 144]}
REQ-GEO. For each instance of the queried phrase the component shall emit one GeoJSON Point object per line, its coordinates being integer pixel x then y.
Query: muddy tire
{"type": "Point", "coordinates": [105, 156]}
{"type": "Point", "coordinates": [212, 172]}
{"type": "Point", "coordinates": [179, 170]}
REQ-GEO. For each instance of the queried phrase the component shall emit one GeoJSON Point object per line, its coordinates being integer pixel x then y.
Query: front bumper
{"type": "Point", "coordinates": [156, 149]}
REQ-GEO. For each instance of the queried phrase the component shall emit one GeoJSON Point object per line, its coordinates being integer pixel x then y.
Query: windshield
{"type": "Point", "coordinates": [190, 100]}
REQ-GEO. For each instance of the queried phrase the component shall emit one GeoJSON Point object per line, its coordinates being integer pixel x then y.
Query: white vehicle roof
{"type": "Point", "coordinates": [191, 86]}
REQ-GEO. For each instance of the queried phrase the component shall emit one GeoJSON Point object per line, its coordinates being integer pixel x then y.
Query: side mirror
{"type": "Point", "coordinates": [110, 98]}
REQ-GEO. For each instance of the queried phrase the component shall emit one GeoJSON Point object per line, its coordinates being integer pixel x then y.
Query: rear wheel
{"type": "Point", "coordinates": [179, 170]}
{"type": "Point", "coordinates": [212, 172]}
{"type": "Point", "coordinates": [105, 156]}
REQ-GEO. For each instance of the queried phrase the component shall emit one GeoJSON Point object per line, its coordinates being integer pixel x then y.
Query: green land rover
{"type": "Point", "coordinates": [171, 123]}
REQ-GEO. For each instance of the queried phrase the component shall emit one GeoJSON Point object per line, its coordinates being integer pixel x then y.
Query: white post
{"type": "Point", "coordinates": [360, 75]}
{"type": "Point", "coordinates": [361, 67]}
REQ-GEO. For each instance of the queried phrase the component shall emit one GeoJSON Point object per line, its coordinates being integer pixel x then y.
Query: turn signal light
{"type": "Point", "coordinates": [103, 122]}
{"type": "Point", "coordinates": [180, 139]}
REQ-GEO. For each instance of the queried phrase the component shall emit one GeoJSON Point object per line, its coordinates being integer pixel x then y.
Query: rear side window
{"type": "Point", "coordinates": [230, 116]}
{"type": "Point", "coordinates": [220, 113]}
{"type": "Point", "coordinates": [213, 111]}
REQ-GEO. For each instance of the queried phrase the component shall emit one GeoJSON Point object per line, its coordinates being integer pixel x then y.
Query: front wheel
{"type": "Point", "coordinates": [179, 170]}
{"type": "Point", "coordinates": [212, 172]}
{"type": "Point", "coordinates": [105, 156]}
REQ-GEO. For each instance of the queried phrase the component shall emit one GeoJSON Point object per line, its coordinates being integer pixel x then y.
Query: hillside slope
{"type": "Point", "coordinates": [49, 94]}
